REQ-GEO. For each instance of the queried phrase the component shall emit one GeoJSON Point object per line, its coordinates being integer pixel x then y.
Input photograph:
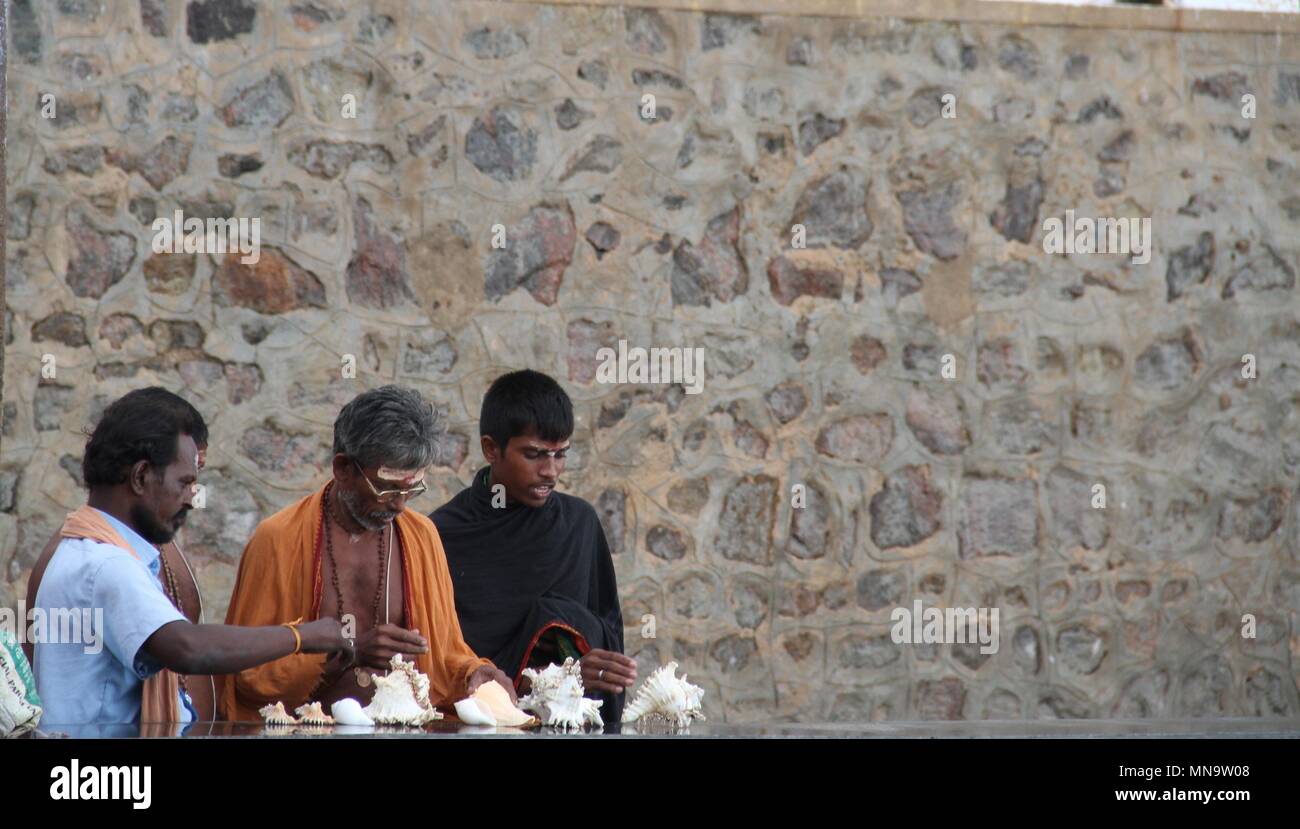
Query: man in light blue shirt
{"type": "Point", "coordinates": [140, 465]}
{"type": "Point", "coordinates": [99, 679]}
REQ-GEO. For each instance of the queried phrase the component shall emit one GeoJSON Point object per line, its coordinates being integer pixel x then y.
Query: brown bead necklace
{"type": "Point", "coordinates": [363, 676]}
{"type": "Point", "coordinates": [175, 596]}
{"type": "Point", "coordinates": [173, 589]}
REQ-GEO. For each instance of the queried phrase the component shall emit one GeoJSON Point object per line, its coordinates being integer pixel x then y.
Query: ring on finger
{"type": "Point", "coordinates": [600, 675]}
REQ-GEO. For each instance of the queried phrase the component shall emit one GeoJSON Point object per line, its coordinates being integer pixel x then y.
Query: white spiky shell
{"type": "Point", "coordinates": [274, 714]}
{"type": "Point", "coordinates": [556, 697]}
{"type": "Point", "coordinates": [663, 696]}
{"type": "Point", "coordinates": [313, 714]}
{"type": "Point", "coordinates": [402, 697]}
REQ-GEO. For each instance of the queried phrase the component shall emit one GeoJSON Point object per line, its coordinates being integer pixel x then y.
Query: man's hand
{"type": "Point", "coordinates": [607, 671]}
{"type": "Point", "coordinates": [490, 673]}
{"type": "Point", "coordinates": [323, 636]}
{"type": "Point", "coordinates": [375, 647]}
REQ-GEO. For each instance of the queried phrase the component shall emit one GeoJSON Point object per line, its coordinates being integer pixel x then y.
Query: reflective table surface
{"type": "Point", "coordinates": [452, 728]}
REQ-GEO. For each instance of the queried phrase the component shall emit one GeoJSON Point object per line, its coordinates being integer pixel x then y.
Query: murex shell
{"type": "Point", "coordinates": [556, 697]}
{"type": "Point", "coordinates": [276, 715]}
{"type": "Point", "coordinates": [402, 697]}
{"type": "Point", "coordinates": [313, 714]}
{"type": "Point", "coordinates": [666, 698]}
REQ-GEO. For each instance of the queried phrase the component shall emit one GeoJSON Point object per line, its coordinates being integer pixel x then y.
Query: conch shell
{"type": "Point", "coordinates": [276, 715]}
{"type": "Point", "coordinates": [557, 698]}
{"type": "Point", "coordinates": [402, 697]}
{"type": "Point", "coordinates": [491, 705]}
{"type": "Point", "coordinates": [470, 712]}
{"type": "Point", "coordinates": [313, 714]}
{"type": "Point", "coordinates": [348, 711]}
{"type": "Point", "coordinates": [665, 698]}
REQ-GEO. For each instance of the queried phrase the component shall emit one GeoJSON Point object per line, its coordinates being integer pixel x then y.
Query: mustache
{"type": "Point", "coordinates": [372, 520]}
{"type": "Point", "coordinates": [377, 519]}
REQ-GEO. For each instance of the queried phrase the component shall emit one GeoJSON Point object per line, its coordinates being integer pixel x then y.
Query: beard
{"type": "Point", "coordinates": [375, 520]}
{"type": "Point", "coordinates": [153, 530]}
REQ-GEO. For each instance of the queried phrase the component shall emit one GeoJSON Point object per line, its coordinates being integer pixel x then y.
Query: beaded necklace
{"type": "Point", "coordinates": [175, 596]}
{"type": "Point", "coordinates": [363, 676]}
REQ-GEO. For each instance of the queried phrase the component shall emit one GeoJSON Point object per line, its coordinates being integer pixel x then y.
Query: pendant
{"type": "Point", "coordinates": [363, 677]}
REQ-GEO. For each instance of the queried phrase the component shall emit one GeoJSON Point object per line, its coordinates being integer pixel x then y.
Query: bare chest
{"type": "Point", "coordinates": [362, 579]}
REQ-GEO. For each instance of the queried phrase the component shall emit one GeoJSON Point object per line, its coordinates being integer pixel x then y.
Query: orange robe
{"type": "Point", "coordinates": [280, 580]}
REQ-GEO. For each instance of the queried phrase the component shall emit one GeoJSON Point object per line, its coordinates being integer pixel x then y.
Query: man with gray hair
{"type": "Point", "coordinates": [353, 551]}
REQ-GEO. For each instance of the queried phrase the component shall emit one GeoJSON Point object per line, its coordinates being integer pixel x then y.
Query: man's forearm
{"type": "Point", "coordinates": [218, 649]}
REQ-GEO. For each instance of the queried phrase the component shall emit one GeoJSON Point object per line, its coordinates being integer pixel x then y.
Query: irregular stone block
{"type": "Point", "coordinates": [745, 523]}
{"type": "Point", "coordinates": [998, 517]}
{"type": "Point", "coordinates": [272, 285]}
{"type": "Point", "coordinates": [536, 254]}
{"type": "Point", "coordinates": [906, 510]}
{"type": "Point", "coordinates": [865, 439]}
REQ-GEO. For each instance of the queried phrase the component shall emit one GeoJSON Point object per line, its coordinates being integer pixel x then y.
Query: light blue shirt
{"type": "Point", "coordinates": [116, 602]}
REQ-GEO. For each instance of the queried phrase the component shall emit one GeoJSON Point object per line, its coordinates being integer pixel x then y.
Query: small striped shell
{"type": "Point", "coordinates": [313, 714]}
{"type": "Point", "coordinates": [666, 698]}
{"type": "Point", "coordinates": [276, 715]}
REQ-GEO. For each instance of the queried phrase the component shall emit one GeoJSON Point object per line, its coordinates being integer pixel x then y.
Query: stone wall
{"type": "Point", "coordinates": [823, 363]}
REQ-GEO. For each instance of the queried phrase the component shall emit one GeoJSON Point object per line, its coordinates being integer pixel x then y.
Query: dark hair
{"type": "Point", "coordinates": [141, 425]}
{"type": "Point", "coordinates": [387, 426]}
{"type": "Point", "coordinates": [525, 400]}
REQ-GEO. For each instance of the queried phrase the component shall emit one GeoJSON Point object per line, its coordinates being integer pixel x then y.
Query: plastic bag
{"type": "Point", "coordinates": [20, 707]}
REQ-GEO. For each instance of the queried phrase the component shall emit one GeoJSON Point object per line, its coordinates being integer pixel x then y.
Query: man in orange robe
{"type": "Point", "coordinates": [353, 551]}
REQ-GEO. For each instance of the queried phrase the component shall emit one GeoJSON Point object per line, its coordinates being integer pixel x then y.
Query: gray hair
{"type": "Point", "coordinates": [388, 426]}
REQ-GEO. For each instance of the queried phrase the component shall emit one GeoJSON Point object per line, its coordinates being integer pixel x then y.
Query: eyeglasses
{"type": "Point", "coordinates": [390, 494]}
